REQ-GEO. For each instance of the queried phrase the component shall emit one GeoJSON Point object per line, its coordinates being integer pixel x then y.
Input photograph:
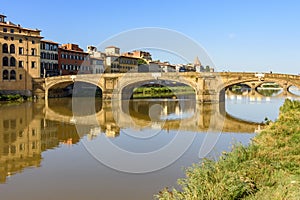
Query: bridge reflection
{"type": "Point", "coordinates": [168, 115]}
{"type": "Point", "coordinates": [28, 129]}
{"type": "Point", "coordinates": [258, 95]}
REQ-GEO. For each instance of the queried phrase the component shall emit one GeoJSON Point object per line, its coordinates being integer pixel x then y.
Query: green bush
{"type": "Point", "coordinates": [12, 97]}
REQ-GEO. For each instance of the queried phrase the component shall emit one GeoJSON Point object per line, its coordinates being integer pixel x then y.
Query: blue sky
{"type": "Point", "coordinates": [257, 35]}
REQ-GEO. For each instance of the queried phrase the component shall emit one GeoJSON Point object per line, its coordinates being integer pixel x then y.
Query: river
{"type": "Point", "coordinates": [88, 149]}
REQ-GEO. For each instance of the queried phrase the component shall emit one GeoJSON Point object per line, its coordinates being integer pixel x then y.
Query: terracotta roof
{"type": "Point", "coordinates": [122, 56]}
{"type": "Point", "coordinates": [49, 41]}
{"type": "Point", "coordinates": [112, 47]}
{"type": "Point", "coordinates": [9, 24]}
{"type": "Point", "coordinates": [82, 52]}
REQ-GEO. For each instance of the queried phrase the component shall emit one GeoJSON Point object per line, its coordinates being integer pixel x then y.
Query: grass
{"type": "Point", "coordinates": [269, 168]}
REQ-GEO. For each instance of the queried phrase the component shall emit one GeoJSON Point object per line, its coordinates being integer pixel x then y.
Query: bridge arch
{"type": "Point", "coordinates": [65, 81]}
{"type": "Point", "coordinates": [129, 82]}
{"type": "Point", "coordinates": [282, 83]}
{"type": "Point", "coordinates": [69, 80]}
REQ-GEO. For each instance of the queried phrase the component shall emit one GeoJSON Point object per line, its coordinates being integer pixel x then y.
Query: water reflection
{"type": "Point", "coordinates": [294, 90]}
{"type": "Point", "coordinates": [256, 107]}
{"type": "Point", "coordinates": [25, 134]}
{"type": "Point", "coordinates": [28, 129]}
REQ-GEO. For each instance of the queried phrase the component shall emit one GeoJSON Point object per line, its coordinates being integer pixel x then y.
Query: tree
{"type": "Point", "coordinates": [207, 68]}
{"type": "Point", "coordinates": [141, 62]}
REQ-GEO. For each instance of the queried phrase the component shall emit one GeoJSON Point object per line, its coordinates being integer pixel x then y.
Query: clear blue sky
{"type": "Point", "coordinates": [256, 35]}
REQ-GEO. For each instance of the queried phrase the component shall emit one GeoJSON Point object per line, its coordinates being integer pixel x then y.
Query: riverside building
{"type": "Point", "coordinates": [19, 57]}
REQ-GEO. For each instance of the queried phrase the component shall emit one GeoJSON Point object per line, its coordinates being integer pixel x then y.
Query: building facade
{"type": "Point", "coordinates": [19, 57]}
{"type": "Point", "coordinates": [146, 56]}
{"type": "Point", "coordinates": [123, 64]}
{"type": "Point", "coordinates": [97, 65]}
{"type": "Point", "coordinates": [73, 60]}
{"type": "Point", "coordinates": [97, 59]}
{"type": "Point", "coordinates": [49, 59]}
{"type": "Point", "coordinates": [112, 51]}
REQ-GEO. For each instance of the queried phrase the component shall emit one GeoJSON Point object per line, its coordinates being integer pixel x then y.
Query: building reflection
{"type": "Point", "coordinates": [29, 129]}
{"type": "Point", "coordinates": [24, 135]}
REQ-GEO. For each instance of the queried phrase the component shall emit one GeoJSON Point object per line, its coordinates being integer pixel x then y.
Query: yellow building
{"type": "Point", "coordinates": [123, 64]}
{"type": "Point", "coordinates": [19, 57]}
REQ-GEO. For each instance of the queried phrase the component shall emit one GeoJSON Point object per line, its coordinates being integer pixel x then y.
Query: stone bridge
{"type": "Point", "coordinates": [115, 115]}
{"type": "Point", "coordinates": [208, 87]}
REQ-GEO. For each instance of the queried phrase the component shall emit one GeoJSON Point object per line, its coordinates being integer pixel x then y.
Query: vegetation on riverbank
{"type": "Point", "coordinates": [162, 91]}
{"type": "Point", "coordinates": [269, 168]}
{"type": "Point", "coordinates": [12, 98]}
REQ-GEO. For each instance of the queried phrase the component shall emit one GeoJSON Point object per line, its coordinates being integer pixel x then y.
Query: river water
{"type": "Point", "coordinates": [89, 149]}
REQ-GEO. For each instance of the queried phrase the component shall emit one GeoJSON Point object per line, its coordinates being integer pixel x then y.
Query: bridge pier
{"type": "Point", "coordinates": [285, 90]}
{"type": "Point", "coordinates": [107, 95]}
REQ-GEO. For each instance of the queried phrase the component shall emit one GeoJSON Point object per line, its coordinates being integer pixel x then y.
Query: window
{"type": "Point", "coordinates": [20, 41]}
{"type": "Point", "coordinates": [12, 75]}
{"type": "Point", "coordinates": [5, 38]}
{"type": "Point", "coordinates": [12, 48]}
{"type": "Point", "coordinates": [5, 61]}
{"type": "Point", "coordinates": [21, 64]}
{"type": "Point", "coordinates": [22, 147]}
{"type": "Point", "coordinates": [12, 38]}
{"type": "Point", "coordinates": [20, 77]}
{"type": "Point", "coordinates": [12, 149]}
{"type": "Point", "coordinates": [21, 50]}
{"type": "Point", "coordinates": [12, 62]}
{"type": "Point", "coordinates": [12, 30]}
{"type": "Point", "coordinates": [33, 51]}
{"type": "Point", "coordinates": [5, 75]}
{"type": "Point", "coordinates": [4, 29]}
{"type": "Point", "coordinates": [32, 64]}
{"type": "Point", "coordinates": [33, 145]}
{"type": "Point", "coordinates": [33, 42]}
{"type": "Point", "coordinates": [4, 48]}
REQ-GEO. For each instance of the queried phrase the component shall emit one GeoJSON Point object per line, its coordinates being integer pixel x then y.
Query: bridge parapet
{"type": "Point", "coordinates": [207, 86]}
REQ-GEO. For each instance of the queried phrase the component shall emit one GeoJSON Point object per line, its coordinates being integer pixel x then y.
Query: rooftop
{"type": "Point", "coordinates": [10, 24]}
{"type": "Point", "coordinates": [197, 62]}
{"type": "Point", "coordinates": [74, 51]}
{"type": "Point", "coordinates": [49, 41]}
{"type": "Point", "coordinates": [112, 47]}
